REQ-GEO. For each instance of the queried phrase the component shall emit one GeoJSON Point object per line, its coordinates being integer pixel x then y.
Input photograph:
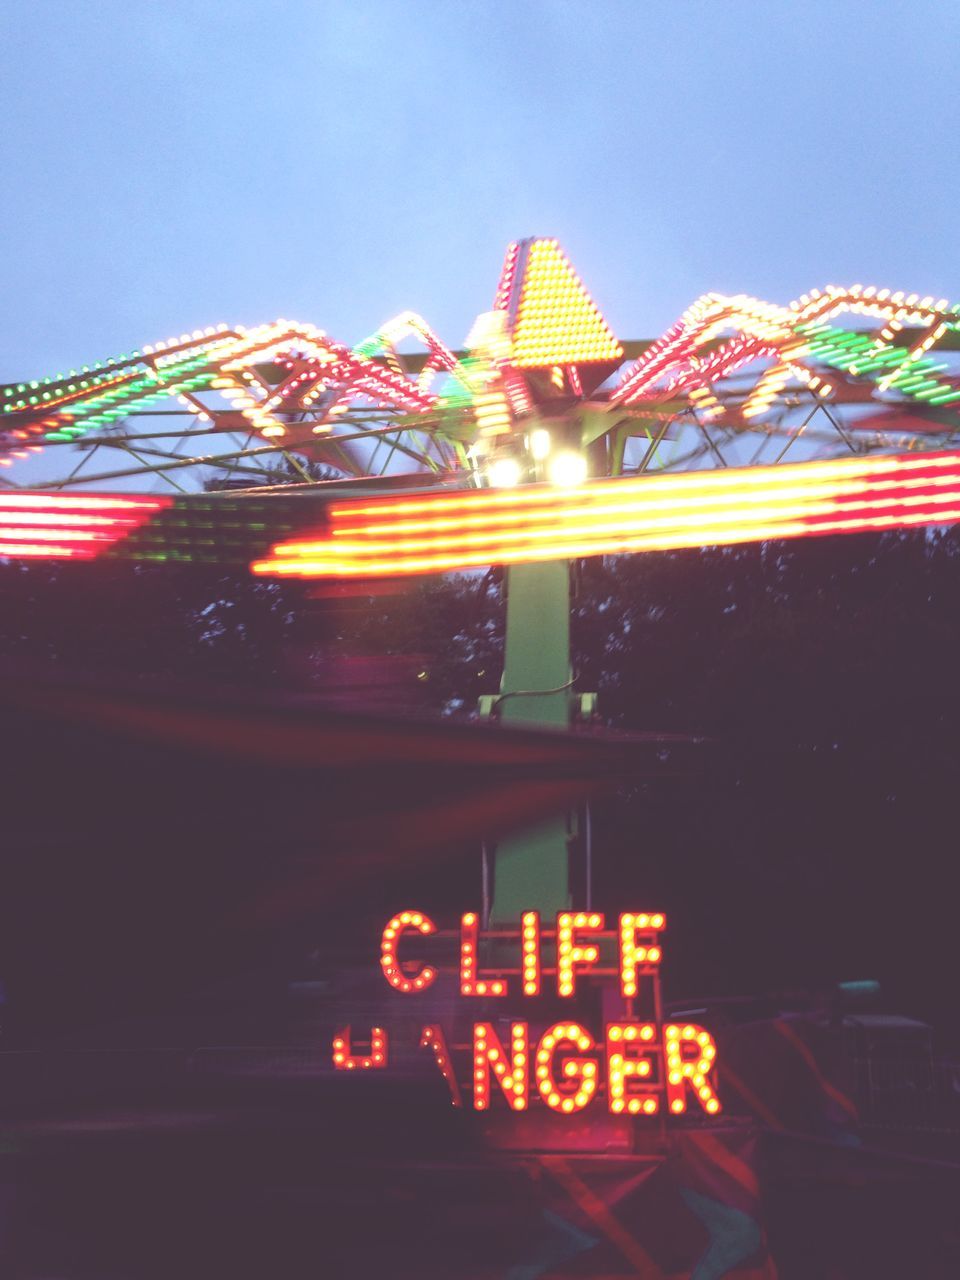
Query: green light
{"type": "Point", "coordinates": [910, 384]}
{"type": "Point", "coordinates": [878, 361]}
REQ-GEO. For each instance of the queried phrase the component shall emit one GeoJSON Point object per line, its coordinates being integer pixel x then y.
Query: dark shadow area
{"type": "Point", "coordinates": [215, 793]}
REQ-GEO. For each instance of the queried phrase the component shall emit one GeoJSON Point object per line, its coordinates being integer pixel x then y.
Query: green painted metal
{"type": "Point", "coordinates": [618, 446]}
{"type": "Point", "coordinates": [536, 667]}
{"type": "Point", "coordinates": [531, 867]}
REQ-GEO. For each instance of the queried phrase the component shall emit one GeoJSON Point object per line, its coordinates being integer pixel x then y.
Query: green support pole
{"type": "Point", "coordinates": [531, 871]}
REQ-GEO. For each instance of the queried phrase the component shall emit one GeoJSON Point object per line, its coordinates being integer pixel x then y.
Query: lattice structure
{"type": "Point", "coordinates": [542, 392]}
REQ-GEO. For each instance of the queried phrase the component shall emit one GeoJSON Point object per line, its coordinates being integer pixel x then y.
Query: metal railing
{"type": "Point", "coordinates": [914, 1094]}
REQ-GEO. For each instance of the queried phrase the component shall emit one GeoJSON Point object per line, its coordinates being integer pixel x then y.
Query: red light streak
{"type": "Point", "coordinates": [62, 526]}
{"type": "Point", "coordinates": [45, 551]}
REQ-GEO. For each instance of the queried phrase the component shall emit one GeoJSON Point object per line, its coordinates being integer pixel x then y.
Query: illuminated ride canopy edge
{"type": "Point", "coordinates": [545, 438]}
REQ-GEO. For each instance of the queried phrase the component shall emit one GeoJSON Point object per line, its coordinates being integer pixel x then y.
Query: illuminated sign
{"type": "Point", "coordinates": [638, 1064]}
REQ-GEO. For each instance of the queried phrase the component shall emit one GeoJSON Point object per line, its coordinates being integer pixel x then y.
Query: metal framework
{"type": "Point", "coordinates": [735, 382]}
{"type": "Point", "coordinates": [543, 440]}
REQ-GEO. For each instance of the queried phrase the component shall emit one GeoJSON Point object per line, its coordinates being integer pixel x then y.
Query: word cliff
{"type": "Point", "coordinates": [640, 1063]}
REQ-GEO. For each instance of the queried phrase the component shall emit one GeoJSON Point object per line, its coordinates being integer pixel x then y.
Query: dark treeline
{"type": "Point", "coordinates": [817, 841]}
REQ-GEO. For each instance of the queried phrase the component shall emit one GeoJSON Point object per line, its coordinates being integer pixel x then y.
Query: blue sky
{"type": "Point", "coordinates": [171, 165]}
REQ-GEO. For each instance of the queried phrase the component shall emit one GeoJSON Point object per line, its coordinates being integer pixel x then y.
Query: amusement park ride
{"type": "Point", "coordinates": [544, 441]}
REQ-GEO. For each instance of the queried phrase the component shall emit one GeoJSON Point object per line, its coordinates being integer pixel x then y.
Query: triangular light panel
{"type": "Point", "coordinates": [555, 321]}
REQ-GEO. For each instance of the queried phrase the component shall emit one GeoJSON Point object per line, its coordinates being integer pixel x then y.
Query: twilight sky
{"type": "Point", "coordinates": [168, 165]}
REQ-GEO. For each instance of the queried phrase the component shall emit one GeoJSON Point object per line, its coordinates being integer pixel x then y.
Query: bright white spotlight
{"type": "Point", "coordinates": [567, 469]}
{"type": "Point", "coordinates": [540, 443]}
{"type": "Point", "coordinates": [504, 473]}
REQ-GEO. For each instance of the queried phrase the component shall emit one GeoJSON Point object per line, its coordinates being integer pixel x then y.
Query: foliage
{"type": "Point", "coordinates": [822, 673]}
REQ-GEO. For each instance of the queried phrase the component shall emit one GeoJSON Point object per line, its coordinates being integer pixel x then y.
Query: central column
{"type": "Point", "coordinates": [531, 868]}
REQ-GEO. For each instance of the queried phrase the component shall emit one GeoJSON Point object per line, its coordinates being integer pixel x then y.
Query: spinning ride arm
{"type": "Point", "coordinates": [546, 439]}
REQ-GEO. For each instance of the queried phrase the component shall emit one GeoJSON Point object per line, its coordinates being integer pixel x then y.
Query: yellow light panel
{"type": "Point", "coordinates": [557, 322]}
